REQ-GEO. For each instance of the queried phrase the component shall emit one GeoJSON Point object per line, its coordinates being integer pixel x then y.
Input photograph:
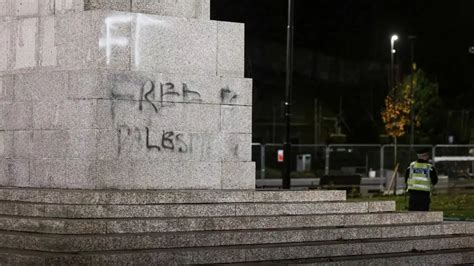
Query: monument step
{"type": "Point", "coordinates": [110, 242]}
{"type": "Point", "coordinates": [148, 225]}
{"type": "Point", "coordinates": [131, 197]}
{"type": "Point", "coordinates": [190, 210]}
{"type": "Point", "coordinates": [438, 257]}
{"type": "Point", "coordinates": [253, 253]}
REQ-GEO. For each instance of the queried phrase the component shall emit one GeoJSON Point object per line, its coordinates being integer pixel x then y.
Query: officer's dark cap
{"type": "Point", "coordinates": [422, 150]}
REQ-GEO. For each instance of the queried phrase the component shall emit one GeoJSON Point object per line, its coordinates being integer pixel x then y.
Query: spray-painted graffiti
{"type": "Point", "coordinates": [135, 139]}
{"type": "Point", "coordinates": [149, 97]}
{"type": "Point", "coordinates": [228, 96]}
{"type": "Point", "coordinates": [168, 95]}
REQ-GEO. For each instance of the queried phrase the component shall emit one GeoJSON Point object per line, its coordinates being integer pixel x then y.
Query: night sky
{"type": "Point", "coordinates": [359, 32]}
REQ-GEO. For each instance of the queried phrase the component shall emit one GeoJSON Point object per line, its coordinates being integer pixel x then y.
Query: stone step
{"type": "Point", "coordinates": [149, 225]}
{"type": "Point", "coordinates": [110, 242]}
{"type": "Point", "coordinates": [190, 210]}
{"type": "Point", "coordinates": [438, 257]}
{"type": "Point", "coordinates": [248, 253]}
{"type": "Point", "coordinates": [130, 197]}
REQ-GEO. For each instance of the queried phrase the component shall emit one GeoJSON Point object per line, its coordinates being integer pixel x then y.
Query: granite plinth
{"type": "Point", "coordinates": [199, 9]}
{"type": "Point", "coordinates": [125, 130]}
{"type": "Point", "coordinates": [122, 41]}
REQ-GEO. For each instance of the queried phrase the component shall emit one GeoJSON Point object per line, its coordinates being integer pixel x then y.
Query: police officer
{"type": "Point", "coordinates": [420, 178]}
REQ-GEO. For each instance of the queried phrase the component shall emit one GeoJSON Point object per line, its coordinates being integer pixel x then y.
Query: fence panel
{"type": "Point", "coordinates": [353, 158]}
{"type": "Point", "coordinates": [455, 161]}
{"type": "Point", "coordinates": [405, 155]}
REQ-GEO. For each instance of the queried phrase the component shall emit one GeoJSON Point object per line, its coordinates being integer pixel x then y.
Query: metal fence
{"type": "Point", "coordinates": [363, 159]}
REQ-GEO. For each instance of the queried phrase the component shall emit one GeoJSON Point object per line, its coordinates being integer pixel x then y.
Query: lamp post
{"type": "Point", "coordinates": [392, 54]}
{"type": "Point", "coordinates": [392, 85]}
{"type": "Point", "coordinates": [286, 182]}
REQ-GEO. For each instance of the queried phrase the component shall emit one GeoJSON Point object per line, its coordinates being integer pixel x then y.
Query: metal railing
{"type": "Point", "coordinates": [362, 158]}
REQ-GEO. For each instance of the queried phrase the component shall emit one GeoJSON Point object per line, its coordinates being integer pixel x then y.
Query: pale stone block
{"type": "Point", "coordinates": [238, 175]}
{"type": "Point", "coordinates": [144, 174]}
{"type": "Point", "coordinates": [6, 88]}
{"type": "Point", "coordinates": [235, 91]}
{"type": "Point", "coordinates": [47, 49]}
{"type": "Point", "coordinates": [87, 84]}
{"type": "Point", "coordinates": [15, 172]}
{"type": "Point", "coordinates": [67, 6]}
{"type": "Point", "coordinates": [6, 30]}
{"type": "Point", "coordinates": [201, 117]}
{"type": "Point", "coordinates": [95, 39]}
{"type": "Point", "coordinates": [80, 174]}
{"type": "Point", "coordinates": [16, 116]}
{"type": "Point", "coordinates": [203, 9]}
{"type": "Point", "coordinates": [108, 143]}
{"type": "Point", "coordinates": [157, 46]}
{"type": "Point", "coordinates": [120, 113]}
{"type": "Point", "coordinates": [115, 41]}
{"type": "Point", "coordinates": [6, 144]}
{"type": "Point", "coordinates": [114, 174]}
{"type": "Point", "coordinates": [176, 8]}
{"type": "Point", "coordinates": [23, 144]}
{"type": "Point", "coordinates": [3, 144]}
{"type": "Point", "coordinates": [41, 86]}
{"type": "Point", "coordinates": [25, 43]}
{"type": "Point", "coordinates": [69, 114]}
{"type": "Point", "coordinates": [230, 49]}
{"type": "Point", "coordinates": [76, 26]}
{"type": "Point", "coordinates": [79, 114]}
{"type": "Point", "coordinates": [236, 147]}
{"type": "Point", "coordinates": [46, 7]}
{"type": "Point", "coordinates": [118, 5]}
{"type": "Point", "coordinates": [82, 144]}
{"type": "Point", "coordinates": [78, 54]}
{"type": "Point", "coordinates": [47, 115]}
{"type": "Point", "coordinates": [236, 119]}
{"type": "Point", "coordinates": [4, 107]}
{"type": "Point", "coordinates": [47, 172]}
{"type": "Point", "coordinates": [49, 144]}
{"type": "Point", "coordinates": [26, 7]}
{"type": "Point", "coordinates": [5, 8]}
{"type": "Point", "coordinates": [177, 175]}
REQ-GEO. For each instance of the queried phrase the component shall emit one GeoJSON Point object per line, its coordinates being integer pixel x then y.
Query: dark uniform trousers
{"type": "Point", "coordinates": [419, 200]}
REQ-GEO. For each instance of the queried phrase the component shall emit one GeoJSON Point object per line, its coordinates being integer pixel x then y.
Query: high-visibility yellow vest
{"type": "Point", "coordinates": [419, 178]}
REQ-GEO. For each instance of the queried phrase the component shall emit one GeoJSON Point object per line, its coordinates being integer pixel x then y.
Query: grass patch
{"type": "Point", "coordinates": [454, 206]}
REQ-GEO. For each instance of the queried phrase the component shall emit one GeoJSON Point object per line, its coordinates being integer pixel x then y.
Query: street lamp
{"type": "Point", "coordinates": [286, 182]}
{"type": "Point", "coordinates": [392, 54]}
{"type": "Point", "coordinates": [392, 85]}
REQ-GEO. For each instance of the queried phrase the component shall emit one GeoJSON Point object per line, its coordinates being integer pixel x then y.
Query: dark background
{"type": "Point", "coordinates": [342, 59]}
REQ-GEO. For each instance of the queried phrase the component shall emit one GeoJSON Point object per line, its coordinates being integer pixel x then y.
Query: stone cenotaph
{"type": "Point", "coordinates": [123, 94]}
